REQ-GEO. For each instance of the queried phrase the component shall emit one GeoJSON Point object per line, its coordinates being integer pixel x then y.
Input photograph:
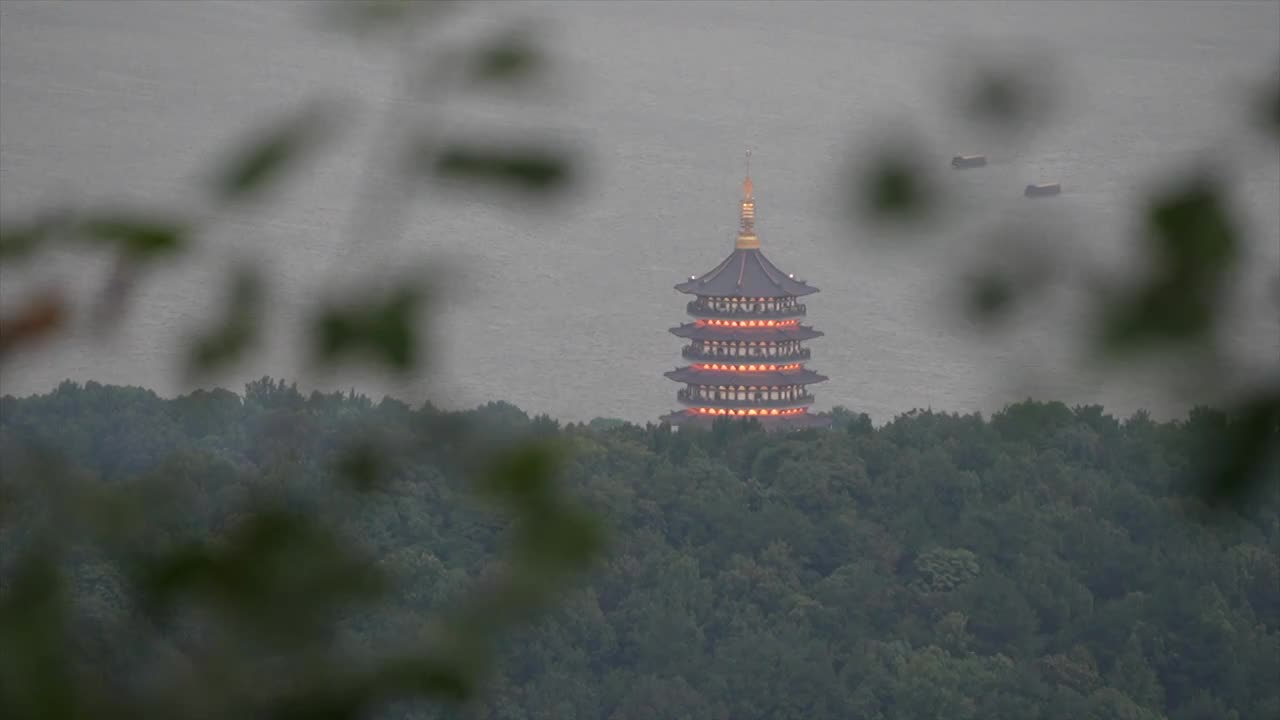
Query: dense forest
{"type": "Point", "coordinates": [1046, 562]}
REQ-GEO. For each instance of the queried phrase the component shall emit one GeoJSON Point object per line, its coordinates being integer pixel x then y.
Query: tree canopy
{"type": "Point", "coordinates": [1035, 564]}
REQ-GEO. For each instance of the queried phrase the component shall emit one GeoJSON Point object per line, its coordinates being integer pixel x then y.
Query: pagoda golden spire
{"type": "Point", "coordinates": [747, 239]}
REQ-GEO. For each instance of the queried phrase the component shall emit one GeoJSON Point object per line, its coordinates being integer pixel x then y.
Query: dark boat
{"type": "Point", "coordinates": [968, 161]}
{"type": "Point", "coordinates": [1042, 189]}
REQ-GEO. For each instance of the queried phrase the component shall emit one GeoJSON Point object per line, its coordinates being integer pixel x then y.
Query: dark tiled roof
{"type": "Point", "coordinates": [746, 273]}
{"type": "Point", "coordinates": [803, 376]}
{"type": "Point", "coordinates": [693, 331]}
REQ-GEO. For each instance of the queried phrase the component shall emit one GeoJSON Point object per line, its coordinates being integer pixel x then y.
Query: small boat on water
{"type": "Point", "coordinates": [1042, 189]}
{"type": "Point", "coordinates": [963, 162]}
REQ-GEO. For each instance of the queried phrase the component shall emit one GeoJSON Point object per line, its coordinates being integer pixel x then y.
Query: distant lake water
{"type": "Point", "coordinates": [565, 311]}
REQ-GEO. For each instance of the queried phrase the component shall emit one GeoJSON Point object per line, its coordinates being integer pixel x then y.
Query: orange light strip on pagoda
{"type": "Point", "coordinates": [747, 368]}
{"type": "Point", "coordinates": [749, 412]}
{"type": "Point", "coordinates": [749, 323]}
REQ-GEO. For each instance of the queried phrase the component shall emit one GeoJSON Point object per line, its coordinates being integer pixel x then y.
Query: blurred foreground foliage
{"type": "Point", "coordinates": [236, 619]}
{"type": "Point", "coordinates": [186, 581]}
{"type": "Point", "coordinates": [215, 567]}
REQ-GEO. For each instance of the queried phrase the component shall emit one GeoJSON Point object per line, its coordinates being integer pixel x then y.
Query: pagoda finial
{"type": "Point", "coordinates": [747, 239]}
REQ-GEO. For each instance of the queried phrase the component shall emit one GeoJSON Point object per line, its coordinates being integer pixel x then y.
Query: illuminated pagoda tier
{"type": "Point", "coordinates": [746, 353]}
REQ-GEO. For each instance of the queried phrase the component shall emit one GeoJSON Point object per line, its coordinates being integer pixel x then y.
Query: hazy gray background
{"type": "Point", "coordinates": [567, 313]}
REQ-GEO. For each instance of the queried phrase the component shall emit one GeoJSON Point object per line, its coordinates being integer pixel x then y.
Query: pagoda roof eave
{"type": "Point", "coordinates": [694, 331]}
{"type": "Point", "coordinates": [689, 287]}
{"type": "Point", "coordinates": [801, 421]}
{"type": "Point", "coordinates": [754, 378]}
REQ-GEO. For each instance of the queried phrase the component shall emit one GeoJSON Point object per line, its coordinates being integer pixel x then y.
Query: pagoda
{"type": "Point", "coordinates": [745, 342]}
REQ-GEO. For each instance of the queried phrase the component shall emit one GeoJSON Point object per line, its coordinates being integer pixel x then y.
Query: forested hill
{"type": "Point", "coordinates": [1037, 564]}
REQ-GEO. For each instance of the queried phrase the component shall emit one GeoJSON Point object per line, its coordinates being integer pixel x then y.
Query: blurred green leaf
{"type": "Point", "coordinates": [238, 329]}
{"type": "Point", "coordinates": [138, 236]}
{"type": "Point", "coordinates": [445, 678]}
{"type": "Point", "coordinates": [363, 464]}
{"type": "Point", "coordinates": [1008, 92]}
{"type": "Point", "coordinates": [35, 667]}
{"type": "Point", "coordinates": [1000, 98]}
{"type": "Point", "coordinates": [384, 330]}
{"type": "Point", "coordinates": [369, 16]}
{"type": "Point", "coordinates": [991, 295]}
{"type": "Point", "coordinates": [279, 574]}
{"type": "Point", "coordinates": [1192, 228]}
{"type": "Point", "coordinates": [1273, 115]}
{"type": "Point", "coordinates": [535, 170]}
{"type": "Point", "coordinates": [1239, 455]}
{"type": "Point", "coordinates": [1193, 245]}
{"type": "Point", "coordinates": [521, 592]}
{"type": "Point", "coordinates": [178, 571]}
{"type": "Point", "coordinates": [523, 476]}
{"type": "Point", "coordinates": [272, 153]}
{"type": "Point", "coordinates": [1268, 104]}
{"type": "Point", "coordinates": [8, 499]}
{"type": "Point", "coordinates": [337, 699]}
{"type": "Point", "coordinates": [335, 695]}
{"type": "Point", "coordinates": [114, 516]}
{"type": "Point", "coordinates": [568, 542]}
{"type": "Point", "coordinates": [893, 188]}
{"type": "Point", "coordinates": [1016, 266]}
{"type": "Point", "coordinates": [510, 57]}
{"type": "Point", "coordinates": [20, 240]}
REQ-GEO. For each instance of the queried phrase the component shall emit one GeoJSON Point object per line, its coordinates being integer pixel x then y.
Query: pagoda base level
{"type": "Point", "coordinates": [783, 423]}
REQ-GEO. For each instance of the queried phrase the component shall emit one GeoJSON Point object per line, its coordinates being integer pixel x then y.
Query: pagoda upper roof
{"type": "Point", "coordinates": [746, 273]}
{"type": "Point", "coordinates": [698, 331]}
{"type": "Point", "coordinates": [803, 376]}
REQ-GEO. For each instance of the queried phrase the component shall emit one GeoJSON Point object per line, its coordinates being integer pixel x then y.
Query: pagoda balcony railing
{"type": "Point", "coordinates": [688, 398]}
{"type": "Point", "coordinates": [699, 308]}
{"type": "Point", "coordinates": [757, 355]}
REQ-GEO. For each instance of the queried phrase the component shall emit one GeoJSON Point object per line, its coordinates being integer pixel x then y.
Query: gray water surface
{"type": "Point", "coordinates": [566, 312]}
